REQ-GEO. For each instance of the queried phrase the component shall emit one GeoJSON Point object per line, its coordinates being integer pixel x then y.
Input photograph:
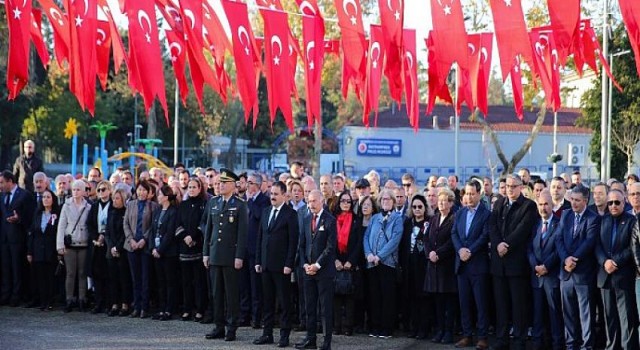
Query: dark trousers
{"type": "Point", "coordinates": [193, 288]}
{"type": "Point", "coordinates": [167, 277]}
{"type": "Point", "coordinates": [446, 304]}
{"type": "Point", "coordinates": [99, 274]}
{"type": "Point", "coordinates": [577, 312]}
{"type": "Point", "coordinates": [319, 289]}
{"type": "Point", "coordinates": [250, 292]}
{"type": "Point", "coordinates": [347, 302]}
{"type": "Point", "coordinates": [139, 264]}
{"type": "Point", "coordinates": [44, 281]}
{"type": "Point", "coordinates": [473, 290]}
{"type": "Point", "coordinates": [511, 304]}
{"type": "Point", "coordinates": [302, 305]}
{"type": "Point", "coordinates": [621, 318]}
{"type": "Point", "coordinates": [276, 284]}
{"type": "Point", "coordinates": [382, 289]}
{"type": "Point", "coordinates": [547, 316]}
{"type": "Point", "coordinates": [11, 257]}
{"type": "Point", "coordinates": [119, 281]}
{"type": "Point", "coordinates": [224, 283]}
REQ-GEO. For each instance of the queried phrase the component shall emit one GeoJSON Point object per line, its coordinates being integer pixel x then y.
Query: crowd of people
{"type": "Point", "coordinates": [552, 261]}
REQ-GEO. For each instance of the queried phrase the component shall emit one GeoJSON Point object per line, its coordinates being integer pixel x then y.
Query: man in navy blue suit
{"type": "Point", "coordinates": [545, 267]}
{"type": "Point", "coordinates": [616, 273]}
{"type": "Point", "coordinates": [579, 229]}
{"type": "Point", "coordinates": [470, 237]}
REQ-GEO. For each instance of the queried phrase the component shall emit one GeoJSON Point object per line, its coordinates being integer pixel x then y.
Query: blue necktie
{"type": "Point", "coordinates": [544, 231]}
{"type": "Point", "coordinates": [576, 222]}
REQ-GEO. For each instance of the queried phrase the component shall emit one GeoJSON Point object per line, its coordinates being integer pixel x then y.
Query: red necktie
{"type": "Point", "coordinates": [313, 223]}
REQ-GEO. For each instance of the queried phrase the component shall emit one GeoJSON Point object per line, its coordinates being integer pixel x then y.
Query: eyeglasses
{"type": "Point", "coordinates": [87, 189]}
{"type": "Point", "coordinates": [250, 183]}
{"type": "Point", "coordinates": [615, 202]}
{"type": "Point", "coordinates": [633, 194]}
{"type": "Point", "coordinates": [512, 186]}
{"type": "Point", "coordinates": [406, 185]}
{"type": "Point", "coordinates": [385, 199]}
{"type": "Point", "coordinates": [417, 206]}
{"type": "Point", "coordinates": [345, 201]}
{"type": "Point", "coordinates": [101, 189]}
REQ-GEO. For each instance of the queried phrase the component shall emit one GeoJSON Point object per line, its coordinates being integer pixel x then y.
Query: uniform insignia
{"type": "Point", "coordinates": [231, 219]}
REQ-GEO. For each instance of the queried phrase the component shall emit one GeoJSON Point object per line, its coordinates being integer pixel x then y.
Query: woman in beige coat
{"type": "Point", "coordinates": [73, 225]}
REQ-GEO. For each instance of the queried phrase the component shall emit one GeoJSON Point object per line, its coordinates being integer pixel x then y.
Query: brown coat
{"type": "Point", "coordinates": [131, 220]}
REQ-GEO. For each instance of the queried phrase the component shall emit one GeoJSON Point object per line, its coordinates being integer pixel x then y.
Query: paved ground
{"type": "Point", "coordinates": [22, 328]}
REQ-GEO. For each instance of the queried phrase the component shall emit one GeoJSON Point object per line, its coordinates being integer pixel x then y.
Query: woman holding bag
{"type": "Point", "coordinates": [349, 253]}
{"type": "Point", "coordinates": [72, 243]}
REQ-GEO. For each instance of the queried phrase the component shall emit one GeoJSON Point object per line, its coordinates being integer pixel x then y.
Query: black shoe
{"type": "Point", "coordinates": [15, 303]}
{"type": "Point", "coordinates": [230, 336]}
{"type": "Point", "coordinates": [144, 314]}
{"type": "Point", "coordinates": [157, 316]}
{"type": "Point", "coordinates": [113, 312]}
{"type": "Point", "coordinates": [412, 334]}
{"type": "Point", "coordinates": [82, 306]}
{"type": "Point", "coordinates": [32, 305]}
{"type": "Point", "coordinates": [307, 344]}
{"type": "Point", "coordinates": [447, 338]}
{"type": "Point", "coordinates": [68, 308]}
{"type": "Point", "coordinates": [198, 318]}
{"type": "Point", "coordinates": [255, 325]}
{"type": "Point", "coordinates": [166, 317]}
{"type": "Point", "coordinates": [216, 333]}
{"type": "Point", "coordinates": [300, 328]}
{"type": "Point", "coordinates": [284, 341]}
{"type": "Point", "coordinates": [245, 323]}
{"type": "Point", "coordinates": [337, 332]}
{"type": "Point", "coordinates": [421, 336]}
{"type": "Point", "coordinates": [207, 320]}
{"type": "Point", "coordinates": [124, 312]}
{"type": "Point", "coordinates": [135, 313]}
{"type": "Point", "coordinates": [325, 347]}
{"type": "Point", "coordinates": [264, 339]}
{"type": "Point", "coordinates": [97, 310]}
{"type": "Point", "coordinates": [438, 337]}
{"type": "Point", "coordinates": [186, 316]}
{"type": "Point", "coordinates": [348, 332]}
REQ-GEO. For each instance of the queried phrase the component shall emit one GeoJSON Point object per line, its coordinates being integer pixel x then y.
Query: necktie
{"type": "Point", "coordinates": [8, 199]}
{"type": "Point", "coordinates": [39, 198]}
{"type": "Point", "coordinates": [314, 224]}
{"type": "Point", "coordinates": [543, 241]}
{"type": "Point", "coordinates": [576, 222]}
{"type": "Point", "coordinates": [272, 220]}
{"type": "Point", "coordinates": [614, 232]}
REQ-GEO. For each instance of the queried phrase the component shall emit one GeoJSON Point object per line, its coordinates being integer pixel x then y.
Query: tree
{"type": "Point", "coordinates": [626, 136]}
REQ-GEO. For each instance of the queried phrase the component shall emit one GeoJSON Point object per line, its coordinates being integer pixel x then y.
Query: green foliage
{"type": "Point", "coordinates": [623, 104]}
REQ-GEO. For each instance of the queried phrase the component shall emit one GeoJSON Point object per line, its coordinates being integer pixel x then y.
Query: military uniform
{"type": "Point", "coordinates": [225, 239]}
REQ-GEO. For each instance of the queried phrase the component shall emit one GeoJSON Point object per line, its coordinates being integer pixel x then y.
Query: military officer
{"type": "Point", "coordinates": [225, 243]}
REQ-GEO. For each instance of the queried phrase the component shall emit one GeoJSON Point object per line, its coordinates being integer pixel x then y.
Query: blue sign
{"type": "Point", "coordinates": [379, 147]}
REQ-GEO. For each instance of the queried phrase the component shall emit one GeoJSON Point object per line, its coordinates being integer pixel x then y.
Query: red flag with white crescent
{"type": "Point", "coordinates": [332, 47]}
{"type": "Point", "coordinates": [392, 21]}
{"type": "Point", "coordinates": [518, 92]}
{"type": "Point", "coordinates": [313, 37]}
{"type": "Point", "coordinates": [412, 90]}
{"type": "Point", "coordinates": [277, 64]}
{"type": "Point", "coordinates": [146, 60]}
{"type": "Point", "coordinates": [547, 62]}
{"type": "Point", "coordinates": [177, 56]}
{"type": "Point", "coordinates": [565, 19]}
{"type": "Point", "coordinates": [374, 73]}
{"type": "Point", "coordinates": [119, 54]}
{"type": "Point", "coordinates": [246, 57]}
{"type": "Point", "coordinates": [438, 89]}
{"type": "Point", "coordinates": [60, 25]}
{"type": "Point", "coordinates": [103, 51]}
{"type": "Point", "coordinates": [511, 34]}
{"type": "Point", "coordinates": [36, 36]}
{"type": "Point", "coordinates": [481, 45]}
{"type": "Point", "coordinates": [354, 45]}
{"type": "Point", "coordinates": [18, 15]}
{"type": "Point", "coordinates": [448, 28]}
{"type": "Point", "coordinates": [630, 10]}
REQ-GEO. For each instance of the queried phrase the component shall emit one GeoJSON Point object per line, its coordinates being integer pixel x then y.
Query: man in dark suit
{"type": "Point", "coordinates": [616, 273]}
{"type": "Point", "coordinates": [250, 284]}
{"type": "Point", "coordinates": [225, 240]}
{"type": "Point", "coordinates": [317, 250]}
{"type": "Point", "coordinates": [275, 254]}
{"type": "Point", "coordinates": [558, 189]}
{"type": "Point", "coordinates": [16, 209]}
{"type": "Point", "coordinates": [470, 236]}
{"type": "Point", "coordinates": [511, 221]}
{"type": "Point", "coordinates": [579, 229]}
{"type": "Point", "coordinates": [545, 267]}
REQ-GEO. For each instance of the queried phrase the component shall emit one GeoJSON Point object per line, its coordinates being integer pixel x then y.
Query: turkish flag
{"type": "Point", "coordinates": [171, 13]}
{"type": "Point", "coordinates": [178, 58]}
{"type": "Point", "coordinates": [276, 67]}
{"type": "Point", "coordinates": [60, 24]}
{"type": "Point", "coordinates": [215, 34]}
{"type": "Point", "coordinates": [354, 44]}
{"type": "Point", "coordinates": [83, 57]}
{"type": "Point", "coordinates": [313, 37]}
{"type": "Point", "coordinates": [412, 90]}
{"type": "Point", "coordinates": [19, 18]}
{"type": "Point", "coordinates": [146, 59]}
{"type": "Point", "coordinates": [516, 84]}
{"type": "Point", "coordinates": [511, 34]}
{"type": "Point", "coordinates": [119, 55]}
{"type": "Point", "coordinates": [103, 51]}
{"type": "Point", "coordinates": [437, 88]}
{"type": "Point", "coordinates": [36, 36]}
{"type": "Point", "coordinates": [630, 10]}
{"type": "Point", "coordinates": [565, 19]}
{"type": "Point", "coordinates": [481, 49]}
{"type": "Point", "coordinates": [332, 47]}
{"type": "Point", "coordinates": [392, 21]}
{"type": "Point", "coordinates": [448, 28]}
{"type": "Point", "coordinates": [374, 73]}
{"type": "Point", "coordinates": [547, 63]}
{"type": "Point", "coordinates": [245, 56]}
{"type": "Point", "coordinates": [465, 94]}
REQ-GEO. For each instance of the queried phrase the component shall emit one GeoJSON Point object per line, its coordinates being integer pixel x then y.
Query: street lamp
{"type": "Point", "coordinates": [610, 106]}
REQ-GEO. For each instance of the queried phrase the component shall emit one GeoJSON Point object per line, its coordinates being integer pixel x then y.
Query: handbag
{"type": "Point", "coordinates": [344, 283]}
{"type": "Point", "coordinates": [68, 238]}
{"type": "Point", "coordinates": [60, 269]}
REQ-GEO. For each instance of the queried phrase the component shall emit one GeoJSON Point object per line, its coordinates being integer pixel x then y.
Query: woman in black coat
{"type": "Point", "coordinates": [190, 249]}
{"type": "Point", "coordinates": [441, 279]}
{"type": "Point", "coordinates": [96, 258]}
{"type": "Point", "coordinates": [348, 258]}
{"type": "Point", "coordinates": [41, 247]}
{"type": "Point", "coordinates": [120, 286]}
{"type": "Point", "coordinates": [164, 249]}
{"type": "Point", "coordinates": [414, 263]}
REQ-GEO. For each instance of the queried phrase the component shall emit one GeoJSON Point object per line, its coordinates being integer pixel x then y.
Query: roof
{"type": "Point", "coordinates": [502, 118]}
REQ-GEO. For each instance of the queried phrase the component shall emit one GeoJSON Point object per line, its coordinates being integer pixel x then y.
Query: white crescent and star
{"type": "Point", "coordinates": [56, 15]}
{"type": "Point", "coordinates": [396, 14]}
{"type": "Point", "coordinates": [103, 36]}
{"type": "Point", "coordinates": [306, 5]}
{"type": "Point", "coordinates": [352, 17]}
{"type": "Point", "coordinates": [177, 46]}
{"type": "Point", "coordinates": [484, 53]}
{"type": "Point", "coordinates": [189, 14]}
{"type": "Point", "coordinates": [375, 47]}
{"type": "Point", "coordinates": [472, 47]}
{"type": "Point", "coordinates": [409, 59]}
{"type": "Point", "coordinates": [276, 58]}
{"type": "Point", "coordinates": [144, 16]}
{"type": "Point", "coordinates": [242, 31]}
{"type": "Point", "coordinates": [176, 14]}
{"type": "Point", "coordinates": [310, 46]}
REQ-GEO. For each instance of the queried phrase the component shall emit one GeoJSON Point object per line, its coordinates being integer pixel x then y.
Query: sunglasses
{"type": "Point", "coordinates": [100, 190]}
{"type": "Point", "coordinates": [87, 189]}
{"type": "Point", "coordinates": [406, 185]}
{"type": "Point", "coordinates": [616, 203]}
{"type": "Point", "coordinates": [346, 201]}
{"type": "Point", "coordinates": [417, 207]}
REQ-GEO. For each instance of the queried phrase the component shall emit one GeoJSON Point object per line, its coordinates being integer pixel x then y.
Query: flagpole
{"type": "Point", "coordinates": [604, 155]}
{"type": "Point", "coordinates": [175, 128]}
{"type": "Point", "coordinates": [555, 142]}
{"type": "Point", "coordinates": [456, 121]}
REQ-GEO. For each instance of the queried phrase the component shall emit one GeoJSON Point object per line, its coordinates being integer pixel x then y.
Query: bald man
{"type": "Point", "coordinates": [26, 165]}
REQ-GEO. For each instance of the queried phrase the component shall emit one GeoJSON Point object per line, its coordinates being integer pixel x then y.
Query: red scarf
{"type": "Point", "coordinates": [344, 228]}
